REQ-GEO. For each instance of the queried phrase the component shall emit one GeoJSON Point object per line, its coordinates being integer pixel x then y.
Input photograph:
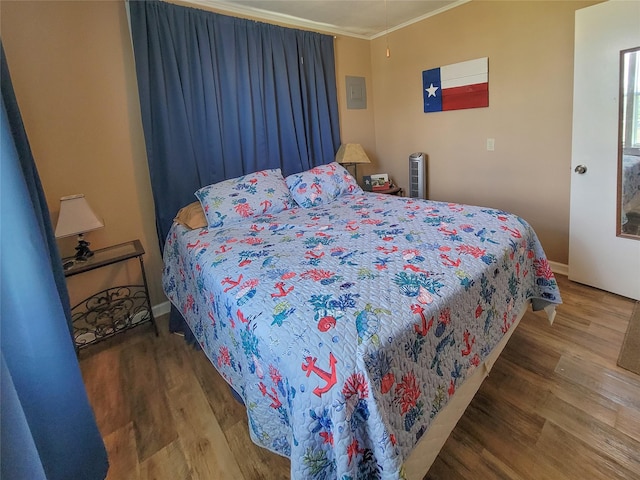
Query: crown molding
{"type": "Point", "coordinates": [418, 19]}
{"type": "Point", "coordinates": [289, 20]}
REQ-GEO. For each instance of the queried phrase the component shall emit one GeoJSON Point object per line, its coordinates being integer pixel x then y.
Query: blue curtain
{"type": "Point", "coordinates": [222, 97]}
{"type": "Point", "coordinates": [47, 427]}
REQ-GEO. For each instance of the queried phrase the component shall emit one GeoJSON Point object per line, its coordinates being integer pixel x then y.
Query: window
{"type": "Point", "coordinates": [631, 102]}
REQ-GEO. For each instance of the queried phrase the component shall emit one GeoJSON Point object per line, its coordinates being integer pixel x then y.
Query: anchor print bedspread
{"type": "Point", "coordinates": [347, 327]}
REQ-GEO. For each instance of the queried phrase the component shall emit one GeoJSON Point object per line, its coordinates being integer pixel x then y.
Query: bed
{"type": "Point", "coordinates": [355, 327]}
{"type": "Point", "coordinates": [630, 184]}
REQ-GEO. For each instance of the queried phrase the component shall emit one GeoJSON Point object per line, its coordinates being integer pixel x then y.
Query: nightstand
{"type": "Point", "coordinates": [116, 309]}
{"type": "Point", "coordinates": [390, 191]}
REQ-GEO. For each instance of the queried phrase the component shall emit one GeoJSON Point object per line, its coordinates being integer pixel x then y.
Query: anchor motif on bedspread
{"type": "Point", "coordinates": [448, 262]}
{"type": "Point", "coordinates": [515, 233]}
{"type": "Point", "coordinates": [468, 342]}
{"type": "Point", "coordinates": [281, 291]}
{"type": "Point", "coordinates": [232, 283]}
{"type": "Point", "coordinates": [329, 378]}
{"type": "Point", "coordinates": [275, 401]}
{"type": "Point", "coordinates": [223, 249]}
{"type": "Point", "coordinates": [424, 328]}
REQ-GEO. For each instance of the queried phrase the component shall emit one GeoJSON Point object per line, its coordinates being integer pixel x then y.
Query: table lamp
{"type": "Point", "coordinates": [352, 154]}
{"type": "Point", "coordinates": [77, 218]}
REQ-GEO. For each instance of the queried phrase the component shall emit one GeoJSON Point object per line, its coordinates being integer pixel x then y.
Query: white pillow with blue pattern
{"type": "Point", "coordinates": [247, 197]}
{"type": "Point", "coordinates": [321, 185]}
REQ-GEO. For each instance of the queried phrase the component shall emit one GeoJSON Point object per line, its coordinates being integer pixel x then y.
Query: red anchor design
{"type": "Point", "coordinates": [223, 249]}
{"type": "Point", "coordinates": [515, 233]}
{"type": "Point", "coordinates": [193, 245]}
{"type": "Point", "coordinates": [387, 250]}
{"type": "Point", "coordinates": [423, 329]}
{"type": "Point", "coordinates": [329, 378]}
{"type": "Point", "coordinates": [265, 205]}
{"type": "Point", "coordinates": [281, 291]}
{"type": "Point", "coordinates": [448, 262]}
{"type": "Point", "coordinates": [254, 228]}
{"type": "Point", "coordinates": [469, 345]}
{"type": "Point", "coordinates": [413, 268]}
{"type": "Point", "coordinates": [352, 228]}
{"type": "Point", "coordinates": [312, 254]}
{"type": "Point", "coordinates": [231, 283]}
{"type": "Point", "coordinates": [275, 401]}
{"type": "Point", "coordinates": [446, 231]}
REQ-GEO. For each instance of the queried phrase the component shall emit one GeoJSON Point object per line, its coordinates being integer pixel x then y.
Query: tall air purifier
{"type": "Point", "coordinates": [417, 175]}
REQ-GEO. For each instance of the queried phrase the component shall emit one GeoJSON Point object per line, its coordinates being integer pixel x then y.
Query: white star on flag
{"type": "Point", "coordinates": [431, 90]}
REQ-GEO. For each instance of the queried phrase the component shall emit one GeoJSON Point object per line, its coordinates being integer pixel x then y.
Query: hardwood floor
{"type": "Point", "coordinates": [555, 406]}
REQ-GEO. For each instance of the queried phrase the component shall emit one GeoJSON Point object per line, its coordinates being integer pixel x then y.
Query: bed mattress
{"type": "Point", "coordinates": [347, 328]}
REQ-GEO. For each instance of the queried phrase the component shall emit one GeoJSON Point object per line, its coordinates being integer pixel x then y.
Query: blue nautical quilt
{"type": "Point", "coordinates": [346, 328]}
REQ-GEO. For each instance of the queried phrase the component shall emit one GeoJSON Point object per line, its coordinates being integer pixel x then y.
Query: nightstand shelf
{"type": "Point", "coordinates": [113, 310]}
{"type": "Point", "coordinates": [390, 191]}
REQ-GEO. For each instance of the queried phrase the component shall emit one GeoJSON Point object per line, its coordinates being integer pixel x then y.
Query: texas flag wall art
{"type": "Point", "coordinates": [456, 86]}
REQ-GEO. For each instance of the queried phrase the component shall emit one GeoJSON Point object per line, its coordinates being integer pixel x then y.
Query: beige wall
{"type": "Point", "coordinates": [356, 125]}
{"type": "Point", "coordinates": [530, 50]}
{"type": "Point", "coordinates": [72, 68]}
{"type": "Point", "coordinates": [74, 76]}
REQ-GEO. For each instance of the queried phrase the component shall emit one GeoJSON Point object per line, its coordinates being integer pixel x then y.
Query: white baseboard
{"type": "Point", "coordinates": [559, 268]}
{"type": "Point", "coordinates": [161, 309]}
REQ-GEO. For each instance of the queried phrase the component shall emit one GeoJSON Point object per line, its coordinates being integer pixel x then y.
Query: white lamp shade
{"type": "Point", "coordinates": [76, 217]}
{"type": "Point", "coordinates": [351, 153]}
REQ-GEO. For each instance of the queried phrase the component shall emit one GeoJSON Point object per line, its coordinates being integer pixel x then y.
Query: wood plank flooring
{"type": "Point", "coordinates": [555, 406]}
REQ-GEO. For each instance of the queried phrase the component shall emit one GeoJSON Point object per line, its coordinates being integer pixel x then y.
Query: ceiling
{"type": "Point", "coordinates": [367, 19]}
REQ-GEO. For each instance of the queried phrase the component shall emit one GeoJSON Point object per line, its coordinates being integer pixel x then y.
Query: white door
{"type": "Point", "coordinates": [597, 256]}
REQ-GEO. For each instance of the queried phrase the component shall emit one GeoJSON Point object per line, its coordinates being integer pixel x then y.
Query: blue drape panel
{"type": "Point", "coordinates": [48, 428]}
{"type": "Point", "coordinates": [34, 186]}
{"type": "Point", "coordinates": [222, 96]}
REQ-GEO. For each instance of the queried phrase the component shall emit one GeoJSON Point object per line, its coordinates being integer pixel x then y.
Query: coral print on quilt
{"type": "Point", "coordinates": [346, 327]}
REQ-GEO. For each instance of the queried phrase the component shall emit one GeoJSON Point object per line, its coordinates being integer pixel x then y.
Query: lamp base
{"type": "Point", "coordinates": [83, 252]}
{"type": "Point", "coordinates": [355, 170]}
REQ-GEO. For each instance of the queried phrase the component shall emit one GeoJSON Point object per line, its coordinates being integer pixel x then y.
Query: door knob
{"type": "Point", "coordinates": [580, 169]}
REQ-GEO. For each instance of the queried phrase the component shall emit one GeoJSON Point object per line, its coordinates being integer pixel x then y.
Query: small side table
{"type": "Point", "coordinates": [115, 309]}
{"type": "Point", "coordinates": [390, 191]}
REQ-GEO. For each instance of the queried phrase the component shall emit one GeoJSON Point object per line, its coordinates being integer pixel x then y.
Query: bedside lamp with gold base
{"type": "Point", "coordinates": [351, 154]}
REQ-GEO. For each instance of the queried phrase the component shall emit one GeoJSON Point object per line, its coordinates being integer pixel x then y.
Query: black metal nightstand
{"type": "Point", "coordinates": [115, 309]}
